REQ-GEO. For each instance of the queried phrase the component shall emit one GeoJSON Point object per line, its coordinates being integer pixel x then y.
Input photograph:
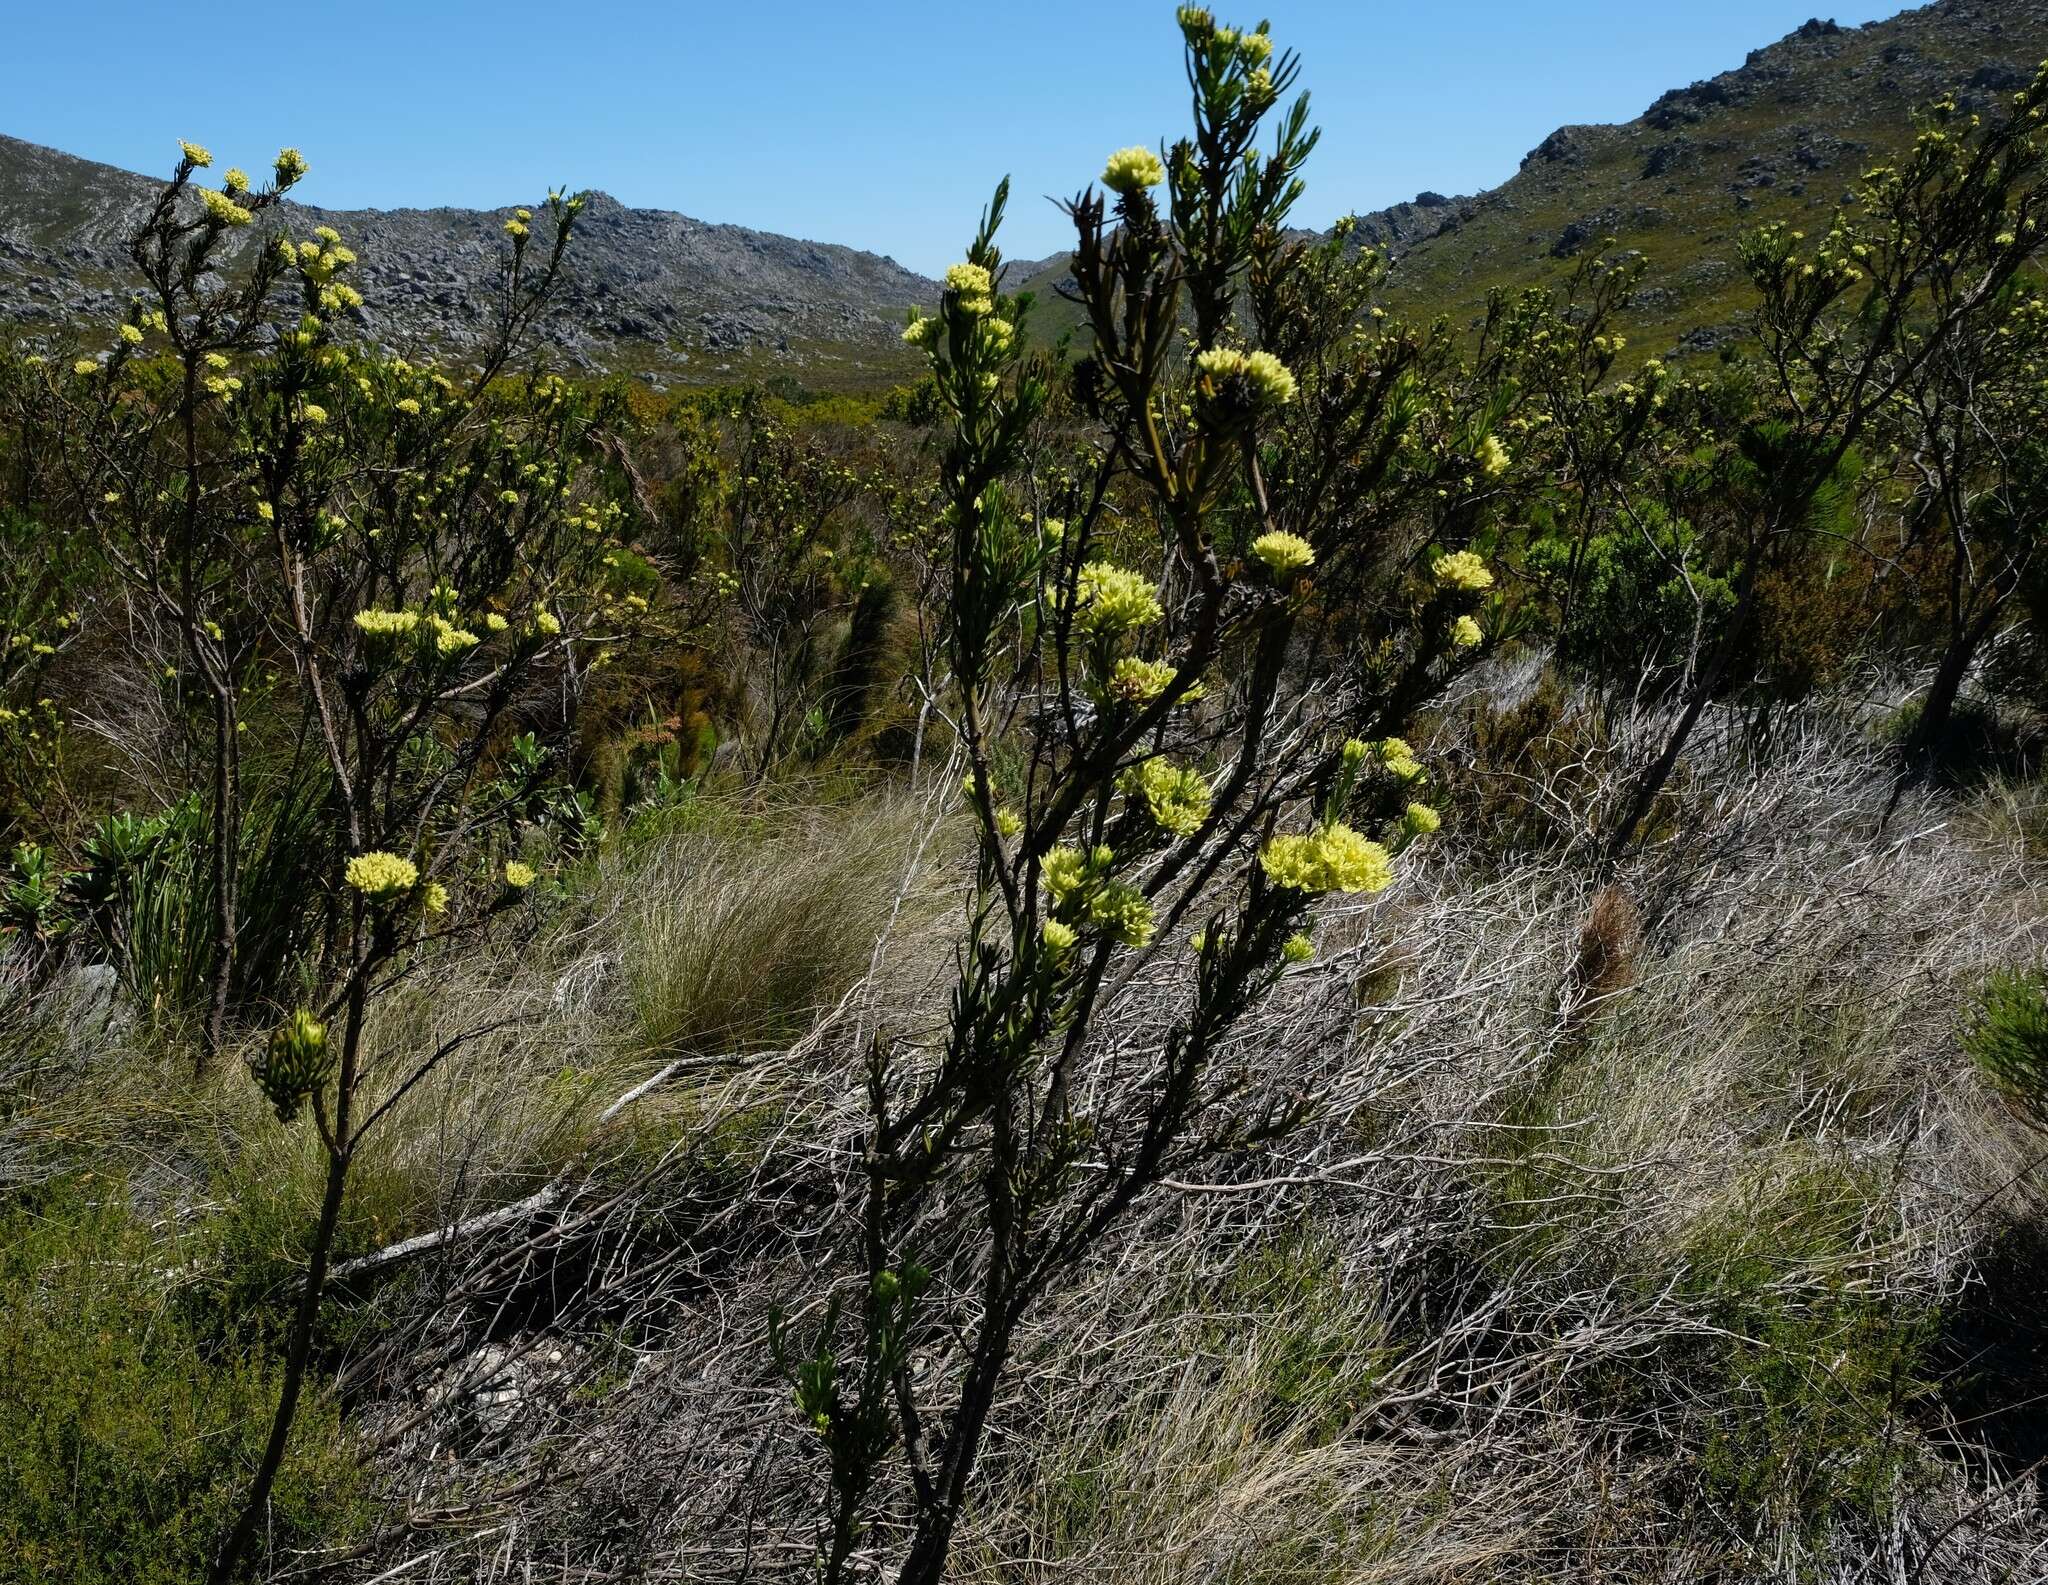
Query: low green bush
{"type": "Point", "coordinates": [2007, 1036]}
{"type": "Point", "coordinates": [127, 1426]}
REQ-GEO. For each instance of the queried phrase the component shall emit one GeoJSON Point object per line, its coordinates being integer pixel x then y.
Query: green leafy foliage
{"type": "Point", "coordinates": [127, 1425]}
{"type": "Point", "coordinates": [2007, 1036]}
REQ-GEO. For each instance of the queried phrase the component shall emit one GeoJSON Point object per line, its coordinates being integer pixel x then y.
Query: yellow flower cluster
{"type": "Point", "coordinates": [1121, 912]}
{"type": "Point", "coordinates": [1068, 870]}
{"type": "Point", "coordinates": [1140, 681]}
{"type": "Point", "coordinates": [1176, 796]}
{"type": "Point", "coordinates": [1283, 552]}
{"type": "Point", "coordinates": [195, 153]}
{"type": "Point", "coordinates": [1297, 948]}
{"type": "Point", "coordinates": [1267, 378]}
{"type": "Point", "coordinates": [387, 624]}
{"type": "Point", "coordinates": [291, 165]}
{"type": "Point", "coordinates": [1397, 758]}
{"type": "Point", "coordinates": [545, 622]}
{"type": "Point", "coordinates": [380, 876]}
{"type": "Point", "coordinates": [1462, 569]}
{"type": "Point", "coordinates": [1114, 600]}
{"type": "Point", "coordinates": [450, 640]}
{"type": "Point", "coordinates": [923, 330]}
{"type": "Point", "coordinates": [1333, 859]}
{"type": "Point", "coordinates": [972, 288]}
{"type": "Point", "coordinates": [222, 209]}
{"type": "Point", "coordinates": [1132, 169]}
{"type": "Point", "coordinates": [518, 876]}
{"type": "Point", "coordinates": [132, 334]}
{"type": "Point", "coordinates": [1420, 820]}
{"type": "Point", "coordinates": [1493, 457]}
{"type": "Point", "coordinates": [1080, 886]}
{"type": "Point", "coordinates": [1465, 633]}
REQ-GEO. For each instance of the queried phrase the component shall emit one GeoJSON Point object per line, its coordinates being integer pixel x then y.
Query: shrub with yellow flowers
{"type": "Point", "coordinates": [1142, 748]}
{"type": "Point", "coordinates": [405, 553]}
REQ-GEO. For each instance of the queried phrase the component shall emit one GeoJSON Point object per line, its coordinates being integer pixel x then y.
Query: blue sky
{"type": "Point", "coordinates": [882, 126]}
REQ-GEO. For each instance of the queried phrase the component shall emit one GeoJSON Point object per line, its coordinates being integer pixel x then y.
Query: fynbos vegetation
{"type": "Point", "coordinates": [1264, 941]}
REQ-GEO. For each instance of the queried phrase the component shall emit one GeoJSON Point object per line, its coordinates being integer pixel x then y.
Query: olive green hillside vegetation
{"type": "Point", "coordinates": [1288, 941]}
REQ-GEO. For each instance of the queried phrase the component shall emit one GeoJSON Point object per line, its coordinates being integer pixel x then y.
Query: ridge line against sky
{"type": "Point", "coordinates": [880, 127]}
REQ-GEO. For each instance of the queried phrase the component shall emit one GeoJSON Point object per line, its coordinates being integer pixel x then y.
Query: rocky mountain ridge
{"type": "Point", "coordinates": [1785, 135]}
{"type": "Point", "coordinates": [646, 290]}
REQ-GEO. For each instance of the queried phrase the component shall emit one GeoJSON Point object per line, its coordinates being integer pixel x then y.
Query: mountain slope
{"type": "Point", "coordinates": [646, 290]}
{"type": "Point", "coordinates": [1784, 135]}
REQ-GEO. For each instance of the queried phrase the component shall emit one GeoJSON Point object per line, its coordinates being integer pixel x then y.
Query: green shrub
{"type": "Point", "coordinates": [2008, 1036]}
{"type": "Point", "coordinates": [127, 1431]}
{"type": "Point", "coordinates": [1799, 1393]}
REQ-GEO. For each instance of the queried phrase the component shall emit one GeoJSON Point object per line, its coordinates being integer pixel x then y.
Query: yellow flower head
{"type": "Point", "coordinates": [1465, 633]}
{"type": "Point", "coordinates": [495, 622]}
{"type": "Point", "coordinates": [1140, 681]}
{"type": "Point", "coordinates": [450, 640]}
{"type": "Point", "coordinates": [1493, 457]}
{"type": "Point", "coordinates": [1333, 859]}
{"type": "Point", "coordinates": [386, 624]}
{"type": "Point", "coordinates": [1398, 758]}
{"type": "Point", "coordinates": [132, 334]}
{"type": "Point", "coordinates": [1297, 948]}
{"type": "Point", "coordinates": [545, 622]}
{"type": "Point", "coordinates": [518, 876]}
{"type": "Point", "coordinates": [1057, 937]}
{"type": "Point", "coordinates": [1420, 820]}
{"type": "Point", "coordinates": [222, 209]}
{"type": "Point", "coordinates": [972, 288]}
{"type": "Point", "coordinates": [1462, 569]}
{"type": "Point", "coordinates": [314, 413]}
{"type": "Point", "coordinates": [434, 899]}
{"type": "Point", "coordinates": [291, 165]}
{"type": "Point", "coordinates": [1133, 169]}
{"type": "Point", "coordinates": [381, 876]}
{"type": "Point", "coordinates": [236, 181]}
{"type": "Point", "coordinates": [1265, 377]}
{"type": "Point", "coordinates": [1065, 870]}
{"type": "Point", "coordinates": [1113, 600]}
{"type": "Point", "coordinates": [1283, 553]}
{"type": "Point", "coordinates": [407, 405]}
{"type": "Point", "coordinates": [1270, 378]}
{"type": "Point", "coordinates": [195, 153]}
{"type": "Point", "coordinates": [1121, 912]}
{"type": "Point", "coordinates": [1175, 796]}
